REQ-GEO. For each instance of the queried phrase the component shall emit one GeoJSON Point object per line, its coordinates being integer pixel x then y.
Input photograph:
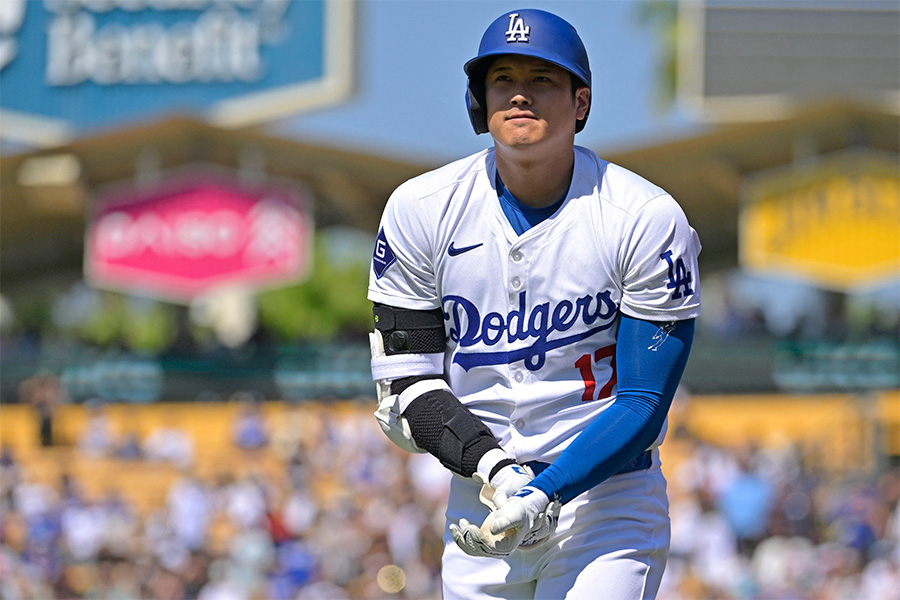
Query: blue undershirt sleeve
{"type": "Point", "coordinates": [650, 359]}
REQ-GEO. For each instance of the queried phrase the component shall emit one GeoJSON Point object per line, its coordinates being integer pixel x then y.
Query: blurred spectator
{"type": "Point", "coordinates": [129, 447]}
{"type": "Point", "coordinates": [83, 528]}
{"type": "Point", "coordinates": [245, 501]}
{"type": "Point", "coordinates": [345, 503]}
{"type": "Point", "coordinates": [706, 467]}
{"type": "Point", "coordinates": [746, 502]}
{"type": "Point", "coordinates": [98, 438]}
{"type": "Point", "coordinates": [299, 511]}
{"type": "Point", "coordinates": [10, 476]}
{"type": "Point", "coordinates": [169, 443]}
{"type": "Point", "coordinates": [123, 526]}
{"type": "Point", "coordinates": [221, 586]}
{"type": "Point", "coordinates": [287, 433]}
{"type": "Point", "coordinates": [429, 478]}
{"type": "Point", "coordinates": [249, 427]}
{"type": "Point", "coordinates": [851, 518]}
{"type": "Point", "coordinates": [403, 534]}
{"type": "Point", "coordinates": [116, 579]}
{"type": "Point", "coordinates": [165, 584]}
{"type": "Point", "coordinates": [128, 444]}
{"type": "Point", "coordinates": [190, 511]}
{"type": "Point", "coordinates": [33, 498]}
{"type": "Point", "coordinates": [196, 575]}
{"type": "Point", "coordinates": [252, 555]}
{"type": "Point", "coordinates": [44, 393]}
{"type": "Point", "coordinates": [703, 543]}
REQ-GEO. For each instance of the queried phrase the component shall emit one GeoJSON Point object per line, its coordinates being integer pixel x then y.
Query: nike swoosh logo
{"type": "Point", "coordinates": [453, 251]}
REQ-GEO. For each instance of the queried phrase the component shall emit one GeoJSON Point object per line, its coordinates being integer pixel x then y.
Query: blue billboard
{"type": "Point", "coordinates": [71, 65]}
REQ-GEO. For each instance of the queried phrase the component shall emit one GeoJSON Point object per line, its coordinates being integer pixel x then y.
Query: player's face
{"type": "Point", "coordinates": [530, 101]}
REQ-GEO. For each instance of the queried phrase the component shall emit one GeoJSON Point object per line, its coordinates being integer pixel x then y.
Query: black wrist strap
{"type": "Point", "coordinates": [500, 465]}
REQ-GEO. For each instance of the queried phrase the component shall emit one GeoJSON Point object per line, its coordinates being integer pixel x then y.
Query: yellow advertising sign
{"type": "Point", "coordinates": [836, 223]}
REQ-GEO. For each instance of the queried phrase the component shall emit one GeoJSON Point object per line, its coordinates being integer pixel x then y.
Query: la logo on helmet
{"type": "Point", "coordinates": [518, 31]}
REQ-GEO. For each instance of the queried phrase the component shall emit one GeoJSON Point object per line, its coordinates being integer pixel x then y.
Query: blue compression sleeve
{"type": "Point", "coordinates": [650, 359]}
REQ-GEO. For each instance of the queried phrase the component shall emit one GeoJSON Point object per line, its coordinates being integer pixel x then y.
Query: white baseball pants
{"type": "Point", "coordinates": [612, 543]}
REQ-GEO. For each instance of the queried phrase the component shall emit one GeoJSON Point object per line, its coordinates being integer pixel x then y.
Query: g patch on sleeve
{"type": "Point", "coordinates": [383, 256]}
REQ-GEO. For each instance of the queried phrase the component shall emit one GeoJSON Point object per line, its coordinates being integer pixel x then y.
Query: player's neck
{"type": "Point", "coordinates": [536, 183]}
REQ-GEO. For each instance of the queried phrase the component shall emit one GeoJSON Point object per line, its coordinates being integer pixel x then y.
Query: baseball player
{"type": "Point", "coordinates": [534, 309]}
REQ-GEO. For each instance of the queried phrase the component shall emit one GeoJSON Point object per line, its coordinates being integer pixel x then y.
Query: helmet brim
{"type": "Point", "coordinates": [477, 67]}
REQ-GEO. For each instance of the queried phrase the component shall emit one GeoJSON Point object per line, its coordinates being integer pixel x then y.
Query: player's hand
{"type": "Point", "coordinates": [508, 481]}
{"type": "Point", "coordinates": [477, 541]}
{"type": "Point", "coordinates": [527, 518]}
{"type": "Point", "coordinates": [524, 521]}
{"type": "Point", "coordinates": [547, 522]}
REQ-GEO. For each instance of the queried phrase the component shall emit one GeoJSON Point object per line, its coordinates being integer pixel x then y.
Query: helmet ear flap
{"type": "Point", "coordinates": [475, 106]}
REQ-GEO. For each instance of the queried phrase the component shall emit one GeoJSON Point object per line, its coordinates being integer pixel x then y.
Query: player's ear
{"type": "Point", "coordinates": [582, 102]}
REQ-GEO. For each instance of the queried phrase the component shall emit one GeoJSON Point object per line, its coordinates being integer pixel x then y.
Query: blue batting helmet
{"type": "Point", "coordinates": [528, 32]}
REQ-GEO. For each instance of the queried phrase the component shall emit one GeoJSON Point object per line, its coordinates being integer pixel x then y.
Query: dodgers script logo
{"type": "Point", "coordinates": [468, 328]}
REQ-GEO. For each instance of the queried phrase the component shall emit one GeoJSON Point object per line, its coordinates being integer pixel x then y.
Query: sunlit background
{"type": "Point", "coordinates": [189, 194]}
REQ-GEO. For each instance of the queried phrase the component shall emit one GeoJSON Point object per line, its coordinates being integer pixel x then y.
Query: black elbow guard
{"type": "Point", "coordinates": [444, 427]}
{"type": "Point", "coordinates": [406, 331]}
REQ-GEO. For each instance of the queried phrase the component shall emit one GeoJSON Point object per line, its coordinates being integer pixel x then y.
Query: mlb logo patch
{"type": "Point", "coordinates": [384, 256]}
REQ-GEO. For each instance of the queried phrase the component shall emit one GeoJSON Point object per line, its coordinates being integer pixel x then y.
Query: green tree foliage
{"type": "Point", "coordinates": [329, 304]}
{"type": "Point", "coordinates": [145, 326]}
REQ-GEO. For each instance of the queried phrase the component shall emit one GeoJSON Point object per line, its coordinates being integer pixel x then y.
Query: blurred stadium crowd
{"type": "Point", "coordinates": [338, 504]}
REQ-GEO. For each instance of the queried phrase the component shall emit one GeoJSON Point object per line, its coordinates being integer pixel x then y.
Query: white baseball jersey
{"type": "Point", "coordinates": [531, 319]}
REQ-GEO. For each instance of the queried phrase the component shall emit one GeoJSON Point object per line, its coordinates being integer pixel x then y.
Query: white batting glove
{"type": "Point", "coordinates": [526, 518]}
{"type": "Point", "coordinates": [547, 523]}
{"type": "Point", "coordinates": [478, 541]}
{"type": "Point", "coordinates": [508, 481]}
{"type": "Point", "coordinates": [524, 521]}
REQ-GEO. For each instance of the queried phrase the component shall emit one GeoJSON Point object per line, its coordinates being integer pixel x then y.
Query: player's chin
{"type": "Point", "coordinates": [519, 136]}
{"type": "Point", "coordinates": [516, 128]}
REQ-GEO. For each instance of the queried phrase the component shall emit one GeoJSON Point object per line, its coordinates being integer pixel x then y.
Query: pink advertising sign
{"type": "Point", "coordinates": [193, 233]}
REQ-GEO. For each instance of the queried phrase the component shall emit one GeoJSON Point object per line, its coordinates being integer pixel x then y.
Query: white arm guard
{"type": "Point", "coordinates": [394, 425]}
{"type": "Point", "coordinates": [382, 386]}
{"type": "Point", "coordinates": [391, 406]}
